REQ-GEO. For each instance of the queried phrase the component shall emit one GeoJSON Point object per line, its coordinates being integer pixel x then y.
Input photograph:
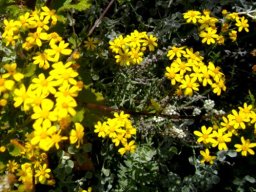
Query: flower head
{"type": "Point", "coordinates": [246, 147]}
{"type": "Point", "coordinates": [77, 134]}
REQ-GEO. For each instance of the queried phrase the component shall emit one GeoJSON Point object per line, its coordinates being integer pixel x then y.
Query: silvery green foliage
{"type": "Point", "coordinates": [139, 172]}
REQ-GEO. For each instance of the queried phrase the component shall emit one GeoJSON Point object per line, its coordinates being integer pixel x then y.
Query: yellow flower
{"type": "Point", "coordinates": [232, 16]}
{"type": "Point", "coordinates": [2, 149]}
{"type": "Point", "coordinates": [11, 39]}
{"type": "Point", "coordinates": [123, 57]}
{"type": "Point", "coordinates": [253, 119]}
{"type": "Point", "coordinates": [39, 22]}
{"type": "Point", "coordinates": [242, 24]}
{"type": "Point", "coordinates": [101, 128]}
{"type": "Point", "coordinates": [57, 50]}
{"type": "Point", "coordinates": [150, 41]}
{"type": "Point", "coordinates": [192, 16]}
{"type": "Point", "coordinates": [127, 147]}
{"type": "Point", "coordinates": [12, 166]}
{"type": "Point", "coordinates": [172, 74]}
{"type": "Point", "coordinates": [49, 14]}
{"type": "Point", "coordinates": [25, 173]}
{"type": "Point", "coordinates": [65, 106]}
{"type": "Point", "coordinates": [3, 102]}
{"type": "Point", "coordinates": [10, 28]}
{"type": "Point", "coordinates": [56, 138]}
{"type": "Point", "coordinates": [88, 190]}
{"type": "Point", "coordinates": [134, 40]}
{"type": "Point", "coordinates": [225, 27]}
{"type": "Point", "coordinates": [181, 66]}
{"type": "Point", "coordinates": [67, 90]}
{"type": "Point", "coordinates": [44, 85]}
{"type": "Point", "coordinates": [195, 56]}
{"type": "Point", "coordinates": [136, 55]}
{"type": "Point", "coordinates": [245, 147]}
{"type": "Point", "coordinates": [205, 135]}
{"type": "Point", "coordinates": [11, 71]}
{"type": "Point", "coordinates": [221, 40]}
{"type": "Point", "coordinates": [35, 98]}
{"type": "Point", "coordinates": [42, 173]}
{"type": "Point", "coordinates": [190, 85]}
{"type": "Point", "coordinates": [43, 114]}
{"type": "Point", "coordinates": [121, 117]}
{"type": "Point", "coordinates": [233, 35]}
{"type": "Point", "coordinates": [206, 21]}
{"type": "Point", "coordinates": [6, 85]}
{"type": "Point", "coordinates": [63, 74]}
{"type": "Point", "coordinates": [129, 130]}
{"type": "Point", "coordinates": [76, 55]}
{"type": "Point", "coordinates": [91, 43]}
{"type": "Point", "coordinates": [21, 96]}
{"type": "Point", "coordinates": [224, 12]}
{"type": "Point", "coordinates": [246, 109]}
{"type": "Point", "coordinates": [42, 59]}
{"type": "Point", "coordinates": [24, 20]}
{"type": "Point", "coordinates": [36, 37]}
{"type": "Point", "coordinates": [225, 123]}
{"type": "Point", "coordinates": [118, 44]}
{"type": "Point", "coordinates": [218, 87]}
{"type": "Point", "coordinates": [209, 36]}
{"type": "Point", "coordinates": [221, 138]}
{"type": "Point", "coordinates": [206, 157]}
{"type": "Point", "coordinates": [54, 37]}
{"type": "Point", "coordinates": [238, 119]}
{"type": "Point", "coordinates": [41, 136]}
{"type": "Point", "coordinates": [175, 51]}
{"type": "Point", "coordinates": [206, 78]}
{"type": "Point", "coordinates": [113, 128]}
{"type": "Point", "coordinates": [214, 72]}
{"type": "Point", "coordinates": [120, 138]}
{"type": "Point", "coordinates": [77, 134]}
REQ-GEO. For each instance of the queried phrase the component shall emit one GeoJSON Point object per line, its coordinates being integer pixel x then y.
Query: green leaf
{"type": "Point", "coordinates": [80, 6]}
{"type": "Point", "coordinates": [70, 163]}
{"type": "Point", "coordinates": [252, 98]}
{"type": "Point", "coordinates": [68, 169]}
{"type": "Point", "coordinates": [79, 116]}
{"type": "Point", "coordinates": [72, 150]}
{"type": "Point", "coordinates": [14, 150]}
{"type": "Point", "coordinates": [106, 172]}
{"type": "Point", "coordinates": [232, 153]}
{"type": "Point", "coordinates": [2, 167]}
{"type": "Point", "coordinates": [250, 179]}
{"type": "Point", "coordinates": [30, 70]}
{"type": "Point", "coordinates": [87, 147]}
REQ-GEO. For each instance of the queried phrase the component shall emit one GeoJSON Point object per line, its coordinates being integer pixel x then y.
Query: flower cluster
{"type": "Point", "coordinates": [48, 97]}
{"type": "Point", "coordinates": [131, 48]}
{"type": "Point", "coordinates": [238, 125]}
{"type": "Point", "coordinates": [120, 130]}
{"type": "Point", "coordinates": [213, 30]}
{"type": "Point", "coordinates": [188, 71]}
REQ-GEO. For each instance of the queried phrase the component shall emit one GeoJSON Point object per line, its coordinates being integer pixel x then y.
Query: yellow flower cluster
{"type": "Point", "coordinates": [8, 79]}
{"type": "Point", "coordinates": [188, 71]}
{"type": "Point", "coordinates": [48, 97]}
{"type": "Point", "coordinates": [209, 26]}
{"type": "Point", "coordinates": [239, 123]}
{"type": "Point", "coordinates": [51, 97]}
{"type": "Point", "coordinates": [30, 173]}
{"type": "Point", "coordinates": [120, 130]}
{"type": "Point", "coordinates": [131, 48]}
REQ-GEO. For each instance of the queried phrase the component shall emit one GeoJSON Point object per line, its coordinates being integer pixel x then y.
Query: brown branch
{"type": "Point", "coordinates": [97, 22]}
{"type": "Point", "coordinates": [145, 113]}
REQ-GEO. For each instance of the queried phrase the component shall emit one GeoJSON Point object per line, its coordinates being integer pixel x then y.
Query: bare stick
{"type": "Point", "coordinates": [97, 22]}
